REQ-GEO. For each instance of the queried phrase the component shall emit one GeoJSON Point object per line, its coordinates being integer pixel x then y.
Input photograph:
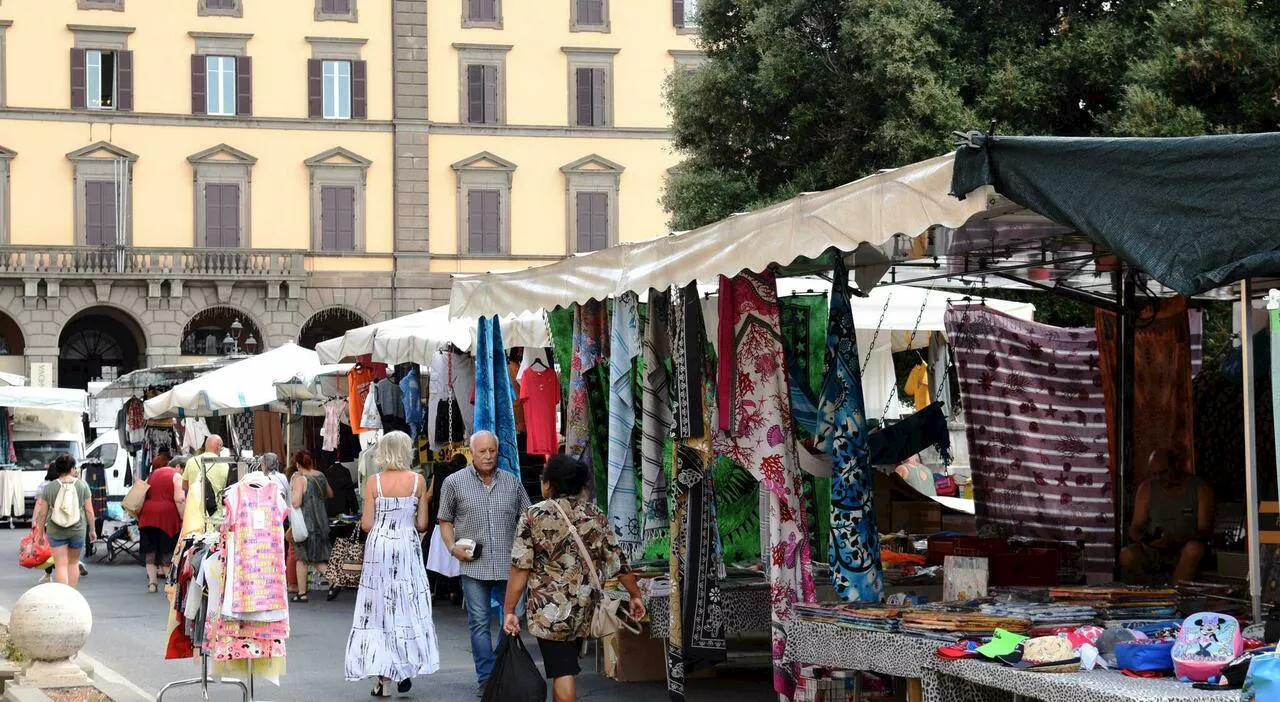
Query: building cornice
{"type": "Point", "coordinates": [179, 120]}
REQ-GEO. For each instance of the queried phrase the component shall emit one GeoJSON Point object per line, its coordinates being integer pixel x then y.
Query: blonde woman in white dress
{"type": "Point", "coordinates": [393, 638]}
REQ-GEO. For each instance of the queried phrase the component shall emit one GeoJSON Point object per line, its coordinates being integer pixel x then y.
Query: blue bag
{"type": "Point", "coordinates": [1262, 683]}
{"type": "Point", "coordinates": [1145, 655]}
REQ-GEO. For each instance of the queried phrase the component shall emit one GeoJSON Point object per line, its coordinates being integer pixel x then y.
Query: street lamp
{"type": "Point", "coordinates": [231, 343]}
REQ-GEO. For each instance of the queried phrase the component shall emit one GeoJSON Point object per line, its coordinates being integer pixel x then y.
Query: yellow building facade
{"type": "Point", "coordinates": [171, 167]}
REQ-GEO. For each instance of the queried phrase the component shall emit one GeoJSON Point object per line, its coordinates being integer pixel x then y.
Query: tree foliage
{"type": "Point", "coordinates": [803, 95]}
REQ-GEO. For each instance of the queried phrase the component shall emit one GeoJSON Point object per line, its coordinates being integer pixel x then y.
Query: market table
{"type": "Point", "coordinates": [980, 681]}
{"type": "Point", "coordinates": [746, 609]}
{"type": "Point", "coordinates": [844, 648]}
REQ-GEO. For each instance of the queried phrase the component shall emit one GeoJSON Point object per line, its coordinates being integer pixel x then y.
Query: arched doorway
{"type": "Point", "coordinates": [329, 324]}
{"type": "Point", "coordinates": [12, 346]}
{"type": "Point", "coordinates": [221, 331]}
{"type": "Point", "coordinates": [96, 341]}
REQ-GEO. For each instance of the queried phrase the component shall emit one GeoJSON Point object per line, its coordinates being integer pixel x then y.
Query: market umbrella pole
{"type": "Point", "coordinates": [1250, 450]}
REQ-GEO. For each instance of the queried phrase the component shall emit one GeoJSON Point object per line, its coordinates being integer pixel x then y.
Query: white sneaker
{"type": "Point", "coordinates": [45, 578]}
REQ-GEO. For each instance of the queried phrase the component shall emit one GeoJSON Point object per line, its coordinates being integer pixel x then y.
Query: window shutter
{"type": "Point", "coordinates": [328, 219]}
{"type": "Point", "coordinates": [77, 79]}
{"type": "Point", "coordinates": [359, 90]}
{"type": "Point", "coordinates": [244, 86]}
{"type": "Point", "coordinates": [231, 216]}
{"type": "Point", "coordinates": [582, 215]}
{"type": "Point", "coordinates": [212, 215]}
{"type": "Point", "coordinates": [107, 190]}
{"type": "Point", "coordinates": [677, 13]}
{"type": "Point", "coordinates": [345, 217]}
{"type": "Point", "coordinates": [600, 220]}
{"type": "Point", "coordinates": [475, 221]}
{"type": "Point", "coordinates": [199, 85]}
{"type": "Point", "coordinates": [492, 216]}
{"type": "Point", "coordinates": [315, 88]}
{"type": "Point", "coordinates": [490, 81]}
{"type": "Point", "coordinates": [599, 102]}
{"type": "Point", "coordinates": [583, 90]}
{"type": "Point", "coordinates": [124, 81]}
{"type": "Point", "coordinates": [475, 94]}
{"type": "Point", "coordinates": [93, 212]}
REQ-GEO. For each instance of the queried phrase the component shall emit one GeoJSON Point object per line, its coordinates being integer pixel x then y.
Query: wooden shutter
{"type": "Point", "coordinates": [582, 216]}
{"type": "Point", "coordinates": [244, 86]}
{"type": "Point", "coordinates": [677, 13]}
{"type": "Point", "coordinates": [199, 84]}
{"type": "Point", "coordinates": [491, 215]}
{"type": "Point", "coordinates": [78, 101]}
{"type": "Point", "coordinates": [100, 212]}
{"type": "Point", "coordinates": [593, 221]}
{"type": "Point", "coordinates": [231, 216]}
{"type": "Point", "coordinates": [345, 218]}
{"type": "Point", "coordinates": [124, 81]}
{"type": "Point", "coordinates": [482, 10]}
{"type": "Point", "coordinates": [328, 219]}
{"type": "Point", "coordinates": [315, 88]}
{"type": "Point", "coordinates": [359, 90]}
{"type": "Point", "coordinates": [490, 94]}
{"type": "Point", "coordinates": [475, 95]}
{"type": "Point", "coordinates": [475, 221]}
{"type": "Point", "coordinates": [599, 97]}
{"type": "Point", "coordinates": [212, 215]}
{"type": "Point", "coordinates": [582, 79]}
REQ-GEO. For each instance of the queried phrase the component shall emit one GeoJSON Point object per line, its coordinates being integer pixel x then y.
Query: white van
{"type": "Point", "coordinates": [35, 451]}
{"type": "Point", "coordinates": [46, 422]}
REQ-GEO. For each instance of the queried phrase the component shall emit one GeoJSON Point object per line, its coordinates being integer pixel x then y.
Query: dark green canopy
{"type": "Point", "coordinates": [1195, 213]}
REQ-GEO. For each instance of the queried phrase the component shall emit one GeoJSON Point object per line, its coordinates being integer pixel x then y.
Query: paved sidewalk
{"type": "Point", "coordinates": [128, 642]}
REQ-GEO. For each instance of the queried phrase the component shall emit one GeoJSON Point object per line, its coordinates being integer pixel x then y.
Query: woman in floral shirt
{"type": "Point", "coordinates": [545, 557]}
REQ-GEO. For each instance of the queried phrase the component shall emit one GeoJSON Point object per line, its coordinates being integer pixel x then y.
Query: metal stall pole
{"type": "Point", "coordinates": [1125, 333]}
{"type": "Point", "coordinates": [1250, 451]}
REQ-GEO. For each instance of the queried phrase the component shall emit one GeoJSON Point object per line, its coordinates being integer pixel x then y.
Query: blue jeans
{"type": "Point", "coordinates": [477, 595]}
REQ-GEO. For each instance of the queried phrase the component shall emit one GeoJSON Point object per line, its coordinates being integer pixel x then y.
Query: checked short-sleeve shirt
{"type": "Point", "coordinates": [486, 514]}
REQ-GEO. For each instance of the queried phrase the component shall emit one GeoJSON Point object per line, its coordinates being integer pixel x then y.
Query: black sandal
{"type": "Point", "coordinates": [405, 685]}
{"type": "Point", "coordinates": [333, 594]}
{"type": "Point", "coordinates": [301, 597]}
{"type": "Point", "coordinates": [379, 689]}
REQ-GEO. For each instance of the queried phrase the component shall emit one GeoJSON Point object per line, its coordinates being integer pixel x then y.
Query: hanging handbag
{"type": "Point", "coordinates": [346, 561]}
{"type": "Point", "coordinates": [298, 525]}
{"type": "Point", "coordinates": [608, 618]}
{"type": "Point", "coordinates": [132, 502]}
{"type": "Point", "coordinates": [33, 552]}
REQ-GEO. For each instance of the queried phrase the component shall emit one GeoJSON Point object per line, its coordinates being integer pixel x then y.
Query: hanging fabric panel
{"type": "Point", "coordinates": [842, 430]}
{"type": "Point", "coordinates": [588, 329]}
{"type": "Point", "coordinates": [1037, 430]}
{"type": "Point", "coordinates": [657, 416]}
{"type": "Point", "coordinates": [624, 347]}
{"type": "Point", "coordinates": [495, 408]}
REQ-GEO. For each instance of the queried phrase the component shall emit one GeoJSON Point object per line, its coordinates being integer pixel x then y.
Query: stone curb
{"type": "Point", "coordinates": [105, 679]}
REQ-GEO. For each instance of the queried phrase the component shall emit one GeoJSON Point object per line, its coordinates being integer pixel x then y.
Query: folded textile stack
{"type": "Point", "coordinates": [851, 616]}
{"type": "Point", "coordinates": [1120, 602]}
{"type": "Point", "coordinates": [953, 626]}
{"type": "Point", "coordinates": [1044, 614]}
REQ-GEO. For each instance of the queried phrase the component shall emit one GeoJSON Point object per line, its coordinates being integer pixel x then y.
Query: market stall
{"type": "Point", "coordinates": [1064, 208]}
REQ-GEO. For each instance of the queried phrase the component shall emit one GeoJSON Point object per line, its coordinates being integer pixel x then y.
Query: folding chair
{"type": "Point", "coordinates": [123, 539]}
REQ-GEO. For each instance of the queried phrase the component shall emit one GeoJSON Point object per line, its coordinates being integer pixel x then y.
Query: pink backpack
{"type": "Point", "coordinates": [1206, 643]}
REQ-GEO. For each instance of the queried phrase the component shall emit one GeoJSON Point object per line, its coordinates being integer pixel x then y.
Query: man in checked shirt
{"type": "Point", "coordinates": [482, 504]}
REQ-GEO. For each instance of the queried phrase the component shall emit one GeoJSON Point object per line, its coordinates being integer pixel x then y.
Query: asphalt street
{"type": "Point", "coordinates": [128, 637]}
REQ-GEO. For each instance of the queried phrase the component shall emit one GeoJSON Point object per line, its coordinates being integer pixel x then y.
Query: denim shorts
{"type": "Point", "coordinates": [77, 543]}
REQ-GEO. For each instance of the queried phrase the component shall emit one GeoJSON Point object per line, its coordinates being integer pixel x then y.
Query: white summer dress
{"type": "Point", "coordinates": [392, 633]}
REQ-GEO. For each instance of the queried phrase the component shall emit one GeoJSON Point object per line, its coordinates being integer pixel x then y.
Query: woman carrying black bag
{"type": "Point", "coordinates": [546, 557]}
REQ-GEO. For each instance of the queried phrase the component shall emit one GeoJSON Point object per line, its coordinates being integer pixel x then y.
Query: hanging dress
{"type": "Point", "coordinates": [392, 633]}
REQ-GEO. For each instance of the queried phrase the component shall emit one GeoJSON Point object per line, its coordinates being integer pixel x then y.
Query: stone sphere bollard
{"type": "Point", "coordinates": [51, 623]}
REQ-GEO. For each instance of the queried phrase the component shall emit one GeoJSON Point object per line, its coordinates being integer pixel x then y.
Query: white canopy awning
{"type": "Point", "coordinates": [134, 383]}
{"type": "Point", "coordinates": [12, 379]}
{"type": "Point", "coordinates": [865, 213]}
{"type": "Point", "coordinates": [416, 337]}
{"type": "Point", "coordinates": [59, 399]}
{"type": "Point", "coordinates": [241, 385]}
{"type": "Point", "coordinates": [320, 384]}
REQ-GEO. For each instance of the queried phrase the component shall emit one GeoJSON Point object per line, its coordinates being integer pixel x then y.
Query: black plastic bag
{"type": "Point", "coordinates": [515, 678]}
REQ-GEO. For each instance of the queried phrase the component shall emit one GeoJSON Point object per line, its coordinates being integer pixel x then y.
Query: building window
{"type": "Point", "coordinates": [338, 200]}
{"type": "Point", "coordinates": [483, 83]}
{"type": "Point", "coordinates": [101, 69]}
{"type": "Point", "coordinates": [221, 8]}
{"type": "Point", "coordinates": [591, 190]}
{"type": "Point", "coordinates": [484, 221]}
{"type": "Point", "coordinates": [687, 61]}
{"type": "Point", "coordinates": [484, 205]}
{"type": "Point", "coordinates": [114, 5]}
{"type": "Point", "coordinates": [6, 157]}
{"type": "Point", "coordinates": [4, 24]}
{"type": "Point", "coordinates": [221, 75]}
{"type": "Point", "coordinates": [589, 16]}
{"type": "Point", "coordinates": [482, 13]}
{"type": "Point", "coordinates": [337, 218]}
{"type": "Point", "coordinates": [337, 79]}
{"type": "Point", "coordinates": [590, 89]}
{"type": "Point", "coordinates": [103, 192]}
{"type": "Point", "coordinates": [223, 187]}
{"type": "Point", "coordinates": [684, 15]}
{"type": "Point", "coordinates": [340, 10]}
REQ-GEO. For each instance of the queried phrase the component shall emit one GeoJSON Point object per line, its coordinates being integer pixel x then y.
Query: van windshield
{"type": "Point", "coordinates": [37, 455]}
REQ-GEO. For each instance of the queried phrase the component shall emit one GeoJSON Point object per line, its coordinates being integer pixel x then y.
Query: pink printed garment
{"type": "Point", "coordinates": [255, 538]}
{"type": "Point", "coordinates": [760, 438]}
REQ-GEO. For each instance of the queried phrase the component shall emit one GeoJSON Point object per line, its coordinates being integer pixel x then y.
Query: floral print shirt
{"type": "Point", "coordinates": [561, 598]}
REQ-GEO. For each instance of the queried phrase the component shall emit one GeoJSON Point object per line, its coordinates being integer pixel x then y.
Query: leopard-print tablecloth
{"type": "Point", "coordinates": [833, 646]}
{"type": "Point", "coordinates": [746, 610]}
{"type": "Point", "coordinates": [979, 681]}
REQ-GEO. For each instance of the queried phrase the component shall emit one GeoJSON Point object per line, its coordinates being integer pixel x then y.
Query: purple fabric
{"type": "Point", "coordinates": [1037, 429]}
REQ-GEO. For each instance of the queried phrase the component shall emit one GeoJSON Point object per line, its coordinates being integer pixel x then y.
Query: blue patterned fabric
{"type": "Point", "coordinates": [495, 400]}
{"type": "Point", "coordinates": [623, 349]}
{"type": "Point", "coordinates": [411, 402]}
{"type": "Point", "coordinates": [842, 430]}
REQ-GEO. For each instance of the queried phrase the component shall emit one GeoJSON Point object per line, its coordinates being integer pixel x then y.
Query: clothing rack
{"type": "Point", "coordinates": [203, 681]}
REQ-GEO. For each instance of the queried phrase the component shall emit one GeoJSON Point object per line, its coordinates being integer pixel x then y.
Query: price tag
{"type": "Point", "coordinates": [259, 519]}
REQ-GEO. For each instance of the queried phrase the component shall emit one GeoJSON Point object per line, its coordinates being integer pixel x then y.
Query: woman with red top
{"type": "Point", "coordinates": [160, 519]}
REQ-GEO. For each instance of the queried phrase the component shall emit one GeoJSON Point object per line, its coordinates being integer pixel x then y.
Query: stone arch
{"type": "Point", "coordinates": [205, 333]}
{"type": "Point", "coordinates": [98, 337]}
{"type": "Point", "coordinates": [12, 340]}
{"type": "Point", "coordinates": [328, 323]}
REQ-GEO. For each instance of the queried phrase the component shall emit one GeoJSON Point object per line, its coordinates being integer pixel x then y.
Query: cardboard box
{"type": "Point", "coordinates": [917, 517]}
{"type": "Point", "coordinates": [634, 657]}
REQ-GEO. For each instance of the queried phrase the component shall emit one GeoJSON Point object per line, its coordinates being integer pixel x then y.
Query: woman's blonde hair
{"type": "Point", "coordinates": [395, 451]}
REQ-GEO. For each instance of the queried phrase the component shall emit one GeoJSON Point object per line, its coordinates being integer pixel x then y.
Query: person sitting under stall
{"type": "Point", "coordinates": [1172, 524]}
